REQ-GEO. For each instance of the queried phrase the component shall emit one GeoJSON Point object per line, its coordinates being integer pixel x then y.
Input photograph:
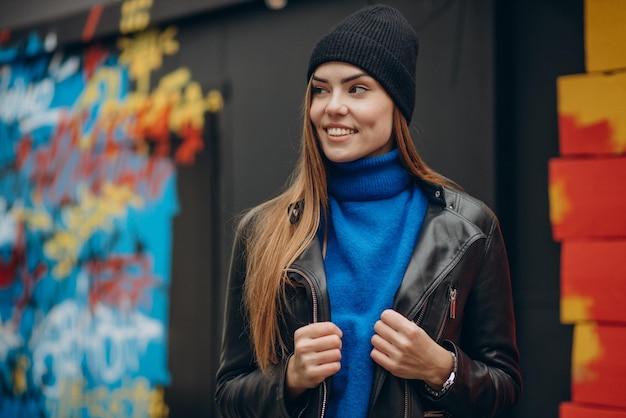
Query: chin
{"type": "Point", "coordinates": [341, 158]}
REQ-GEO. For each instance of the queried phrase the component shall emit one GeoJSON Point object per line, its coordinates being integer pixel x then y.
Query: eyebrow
{"type": "Point", "coordinates": [343, 80]}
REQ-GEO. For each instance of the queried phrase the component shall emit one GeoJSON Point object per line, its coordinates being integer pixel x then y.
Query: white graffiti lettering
{"type": "Point", "coordinates": [22, 101]}
{"type": "Point", "coordinates": [73, 341]}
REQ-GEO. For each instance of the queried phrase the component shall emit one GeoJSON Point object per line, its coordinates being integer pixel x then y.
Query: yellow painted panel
{"type": "Point", "coordinates": [605, 35]}
{"type": "Point", "coordinates": [592, 112]}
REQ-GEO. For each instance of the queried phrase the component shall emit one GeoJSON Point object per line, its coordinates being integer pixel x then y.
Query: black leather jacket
{"type": "Point", "coordinates": [456, 287]}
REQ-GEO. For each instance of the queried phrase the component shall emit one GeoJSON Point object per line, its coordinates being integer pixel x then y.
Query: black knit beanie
{"type": "Point", "coordinates": [379, 40]}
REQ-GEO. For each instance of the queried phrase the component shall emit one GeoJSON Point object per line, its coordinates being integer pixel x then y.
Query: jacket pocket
{"type": "Point", "coordinates": [437, 312]}
{"type": "Point", "coordinates": [450, 311]}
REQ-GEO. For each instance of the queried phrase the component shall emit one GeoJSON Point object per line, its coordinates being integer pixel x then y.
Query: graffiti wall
{"type": "Point", "coordinates": [90, 142]}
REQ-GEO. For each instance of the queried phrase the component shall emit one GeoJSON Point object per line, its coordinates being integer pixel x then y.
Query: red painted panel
{"type": "Point", "coordinates": [572, 410]}
{"type": "Point", "coordinates": [587, 198]}
{"type": "Point", "coordinates": [599, 365]}
{"type": "Point", "coordinates": [593, 281]}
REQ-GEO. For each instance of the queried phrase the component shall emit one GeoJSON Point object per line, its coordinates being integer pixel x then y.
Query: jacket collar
{"type": "Point", "coordinates": [411, 292]}
{"type": "Point", "coordinates": [434, 192]}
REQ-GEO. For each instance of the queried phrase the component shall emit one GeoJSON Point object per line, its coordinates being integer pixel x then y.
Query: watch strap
{"type": "Point", "coordinates": [448, 383]}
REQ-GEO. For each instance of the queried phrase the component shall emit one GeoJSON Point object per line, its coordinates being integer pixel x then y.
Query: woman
{"type": "Point", "coordinates": [372, 286]}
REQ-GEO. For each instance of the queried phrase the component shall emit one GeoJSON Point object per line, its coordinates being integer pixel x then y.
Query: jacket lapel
{"type": "Point", "coordinates": [442, 242]}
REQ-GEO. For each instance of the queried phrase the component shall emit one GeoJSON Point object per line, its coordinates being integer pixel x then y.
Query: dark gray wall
{"type": "Point", "coordinates": [25, 13]}
{"type": "Point", "coordinates": [453, 123]}
{"type": "Point", "coordinates": [54, 15]}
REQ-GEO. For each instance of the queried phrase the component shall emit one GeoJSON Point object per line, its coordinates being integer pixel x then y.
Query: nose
{"type": "Point", "coordinates": [336, 105]}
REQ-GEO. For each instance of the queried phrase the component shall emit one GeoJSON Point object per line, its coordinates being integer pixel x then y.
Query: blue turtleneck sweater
{"type": "Point", "coordinates": [376, 213]}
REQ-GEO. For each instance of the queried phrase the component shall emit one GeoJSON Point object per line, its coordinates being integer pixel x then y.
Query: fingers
{"type": "Point", "coordinates": [397, 330]}
{"type": "Point", "coordinates": [396, 321]}
{"type": "Point", "coordinates": [317, 355]}
{"type": "Point", "coordinates": [398, 345]}
{"type": "Point", "coordinates": [318, 343]}
{"type": "Point", "coordinates": [317, 330]}
{"type": "Point", "coordinates": [381, 358]}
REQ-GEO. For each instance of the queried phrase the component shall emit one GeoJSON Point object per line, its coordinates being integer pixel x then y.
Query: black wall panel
{"type": "Point", "coordinates": [537, 42]}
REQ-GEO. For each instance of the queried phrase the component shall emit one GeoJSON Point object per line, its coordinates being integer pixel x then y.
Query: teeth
{"type": "Point", "coordinates": [339, 131]}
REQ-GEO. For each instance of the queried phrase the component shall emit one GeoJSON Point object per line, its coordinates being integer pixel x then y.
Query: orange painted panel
{"type": "Point", "coordinates": [599, 365]}
{"type": "Point", "coordinates": [592, 114]}
{"type": "Point", "coordinates": [593, 281]}
{"type": "Point", "coordinates": [605, 36]}
{"type": "Point", "coordinates": [587, 198]}
{"type": "Point", "coordinates": [572, 410]}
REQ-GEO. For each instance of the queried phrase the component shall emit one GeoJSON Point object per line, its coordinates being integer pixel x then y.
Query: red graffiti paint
{"type": "Point", "coordinates": [17, 268]}
{"type": "Point", "coordinates": [58, 169]}
{"type": "Point", "coordinates": [120, 279]}
{"type": "Point", "coordinates": [94, 56]}
{"type": "Point", "coordinates": [5, 35]}
{"type": "Point", "coordinates": [9, 267]}
{"type": "Point", "coordinates": [23, 150]}
{"type": "Point", "coordinates": [92, 22]}
{"type": "Point", "coordinates": [192, 144]}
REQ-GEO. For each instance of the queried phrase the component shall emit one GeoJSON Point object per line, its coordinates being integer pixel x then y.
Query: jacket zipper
{"type": "Point", "coordinates": [452, 292]}
{"type": "Point", "coordinates": [406, 398]}
{"type": "Point", "coordinates": [450, 314]}
{"type": "Point", "coordinates": [418, 321]}
{"type": "Point", "coordinates": [451, 311]}
{"type": "Point", "coordinates": [315, 320]}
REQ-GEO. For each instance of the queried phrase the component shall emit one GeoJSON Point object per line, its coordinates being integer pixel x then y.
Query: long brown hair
{"type": "Point", "coordinates": [274, 243]}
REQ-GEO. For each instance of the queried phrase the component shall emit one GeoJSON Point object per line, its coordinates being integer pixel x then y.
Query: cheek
{"type": "Point", "coordinates": [379, 120]}
{"type": "Point", "coordinates": [315, 112]}
{"type": "Point", "coordinates": [381, 125]}
{"type": "Point", "coordinates": [386, 117]}
{"type": "Point", "coordinates": [388, 123]}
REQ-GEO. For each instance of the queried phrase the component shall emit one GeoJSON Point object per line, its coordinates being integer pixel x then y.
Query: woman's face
{"type": "Point", "coordinates": [351, 112]}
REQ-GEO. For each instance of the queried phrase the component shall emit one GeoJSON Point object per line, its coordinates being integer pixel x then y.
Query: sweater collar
{"type": "Point", "coordinates": [366, 179]}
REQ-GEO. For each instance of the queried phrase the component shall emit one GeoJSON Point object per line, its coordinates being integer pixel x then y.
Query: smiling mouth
{"type": "Point", "coordinates": [340, 131]}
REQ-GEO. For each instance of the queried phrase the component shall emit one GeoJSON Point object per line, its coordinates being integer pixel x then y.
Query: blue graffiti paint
{"type": "Point", "coordinates": [85, 243]}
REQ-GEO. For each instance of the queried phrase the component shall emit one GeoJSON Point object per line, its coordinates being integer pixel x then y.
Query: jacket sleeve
{"type": "Point", "coordinates": [242, 389]}
{"type": "Point", "coordinates": [488, 381]}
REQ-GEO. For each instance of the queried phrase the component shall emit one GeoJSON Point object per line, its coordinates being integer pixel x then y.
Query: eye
{"type": "Point", "coordinates": [358, 89]}
{"type": "Point", "coordinates": [318, 90]}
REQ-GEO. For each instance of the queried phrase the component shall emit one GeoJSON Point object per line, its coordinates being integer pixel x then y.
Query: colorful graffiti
{"type": "Point", "coordinates": [89, 146]}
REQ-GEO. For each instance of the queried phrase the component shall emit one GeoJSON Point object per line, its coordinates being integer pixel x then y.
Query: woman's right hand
{"type": "Point", "coordinates": [317, 355]}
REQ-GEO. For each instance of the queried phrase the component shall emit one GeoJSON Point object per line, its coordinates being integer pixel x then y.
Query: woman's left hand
{"type": "Point", "coordinates": [408, 352]}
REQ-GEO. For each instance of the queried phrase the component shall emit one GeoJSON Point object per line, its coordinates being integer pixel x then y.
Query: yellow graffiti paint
{"type": "Point", "coordinates": [104, 85]}
{"type": "Point", "coordinates": [116, 198]}
{"type": "Point", "coordinates": [214, 101]}
{"type": "Point", "coordinates": [146, 116]}
{"type": "Point", "coordinates": [144, 54]}
{"type": "Point", "coordinates": [91, 214]}
{"type": "Point", "coordinates": [134, 399]}
{"type": "Point", "coordinates": [135, 15]}
{"type": "Point", "coordinates": [63, 249]}
{"type": "Point", "coordinates": [36, 219]}
{"type": "Point", "coordinates": [18, 375]}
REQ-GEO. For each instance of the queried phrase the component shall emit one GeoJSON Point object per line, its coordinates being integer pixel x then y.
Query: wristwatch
{"type": "Point", "coordinates": [447, 384]}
